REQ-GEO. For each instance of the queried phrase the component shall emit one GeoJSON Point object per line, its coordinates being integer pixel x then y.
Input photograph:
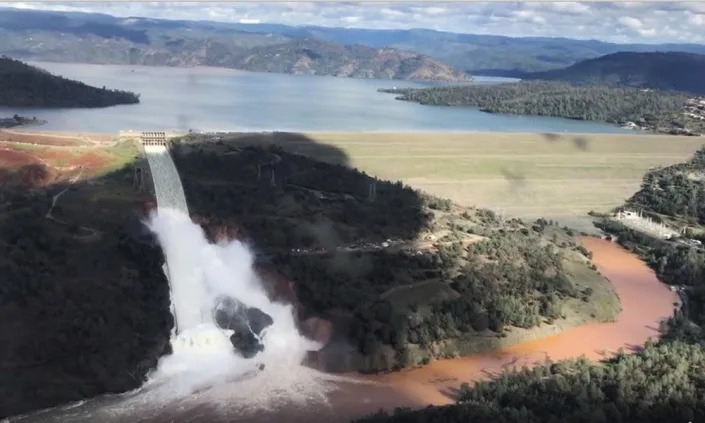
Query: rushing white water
{"type": "Point", "coordinates": [205, 371]}
{"type": "Point", "coordinates": [167, 184]}
{"type": "Point", "coordinates": [200, 273]}
{"type": "Point", "coordinates": [170, 194]}
{"type": "Point", "coordinates": [203, 357]}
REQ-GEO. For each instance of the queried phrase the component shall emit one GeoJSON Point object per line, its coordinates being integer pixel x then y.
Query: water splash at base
{"type": "Point", "coordinates": [203, 357]}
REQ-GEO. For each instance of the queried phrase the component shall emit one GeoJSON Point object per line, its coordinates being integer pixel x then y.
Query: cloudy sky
{"type": "Point", "coordinates": [649, 22]}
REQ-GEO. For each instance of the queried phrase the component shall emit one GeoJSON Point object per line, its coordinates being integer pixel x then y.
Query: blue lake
{"type": "Point", "coordinates": [229, 100]}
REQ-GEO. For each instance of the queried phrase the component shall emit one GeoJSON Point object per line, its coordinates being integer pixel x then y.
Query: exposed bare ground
{"type": "Point", "coordinates": [56, 138]}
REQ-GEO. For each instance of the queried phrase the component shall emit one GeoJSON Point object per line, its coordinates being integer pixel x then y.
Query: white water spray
{"type": "Point", "coordinates": [204, 370]}
{"type": "Point", "coordinates": [203, 358]}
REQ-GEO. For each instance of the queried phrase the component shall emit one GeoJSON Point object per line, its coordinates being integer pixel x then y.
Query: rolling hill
{"type": "Point", "coordinates": [323, 58]}
{"type": "Point", "coordinates": [103, 39]}
{"type": "Point", "coordinates": [664, 71]}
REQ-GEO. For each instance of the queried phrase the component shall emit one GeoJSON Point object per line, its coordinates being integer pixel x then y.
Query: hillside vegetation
{"type": "Point", "coordinates": [104, 39]}
{"type": "Point", "coordinates": [85, 309]}
{"type": "Point", "coordinates": [673, 194]}
{"type": "Point", "coordinates": [22, 85]}
{"type": "Point", "coordinates": [662, 71]}
{"type": "Point", "coordinates": [664, 382]}
{"type": "Point", "coordinates": [324, 58]}
{"type": "Point", "coordinates": [657, 110]}
{"type": "Point", "coordinates": [677, 190]}
{"type": "Point", "coordinates": [98, 38]}
{"type": "Point", "coordinates": [404, 277]}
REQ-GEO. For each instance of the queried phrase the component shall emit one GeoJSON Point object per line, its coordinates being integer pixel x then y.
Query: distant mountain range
{"type": "Point", "coordinates": [22, 85]}
{"type": "Point", "coordinates": [665, 71]}
{"type": "Point", "coordinates": [90, 38]}
{"type": "Point", "coordinates": [98, 38]}
{"type": "Point", "coordinates": [489, 55]}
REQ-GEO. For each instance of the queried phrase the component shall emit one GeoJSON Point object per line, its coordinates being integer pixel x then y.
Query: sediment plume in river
{"type": "Point", "coordinates": [645, 302]}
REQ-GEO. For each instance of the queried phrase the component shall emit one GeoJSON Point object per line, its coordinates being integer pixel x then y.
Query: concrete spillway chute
{"type": "Point", "coordinates": [167, 186]}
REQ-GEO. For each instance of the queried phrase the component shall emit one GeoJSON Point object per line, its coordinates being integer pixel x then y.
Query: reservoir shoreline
{"type": "Point", "coordinates": [198, 98]}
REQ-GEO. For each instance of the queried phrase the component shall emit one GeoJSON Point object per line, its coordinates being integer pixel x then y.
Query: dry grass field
{"type": "Point", "coordinates": [560, 177]}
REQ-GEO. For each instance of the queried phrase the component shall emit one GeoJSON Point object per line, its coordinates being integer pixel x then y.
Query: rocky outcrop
{"type": "Point", "coordinates": [246, 322]}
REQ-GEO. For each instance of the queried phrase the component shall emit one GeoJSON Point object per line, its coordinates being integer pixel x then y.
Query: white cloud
{"type": "Point", "coordinates": [538, 20]}
{"type": "Point", "coordinates": [657, 21]}
{"type": "Point", "coordinates": [392, 13]}
{"type": "Point", "coordinates": [697, 20]}
{"type": "Point", "coordinates": [571, 7]}
{"type": "Point", "coordinates": [351, 19]}
{"type": "Point", "coordinates": [530, 16]}
{"type": "Point", "coordinates": [631, 23]}
{"type": "Point", "coordinates": [647, 32]}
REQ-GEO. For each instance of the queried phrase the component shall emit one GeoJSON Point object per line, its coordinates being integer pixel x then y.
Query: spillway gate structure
{"type": "Point", "coordinates": [154, 138]}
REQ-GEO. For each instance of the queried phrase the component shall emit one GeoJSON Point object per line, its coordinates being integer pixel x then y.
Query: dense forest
{"type": "Point", "coordinates": [507, 280]}
{"type": "Point", "coordinates": [664, 382]}
{"type": "Point", "coordinates": [649, 109]}
{"type": "Point", "coordinates": [82, 315]}
{"type": "Point", "coordinates": [662, 71]}
{"type": "Point", "coordinates": [22, 85]}
{"type": "Point", "coordinates": [677, 190]}
{"type": "Point", "coordinates": [319, 226]}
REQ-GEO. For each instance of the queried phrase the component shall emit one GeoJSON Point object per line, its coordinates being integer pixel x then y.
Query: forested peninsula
{"type": "Point", "coordinates": [22, 85]}
{"type": "Point", "coordinates": [661, 111]}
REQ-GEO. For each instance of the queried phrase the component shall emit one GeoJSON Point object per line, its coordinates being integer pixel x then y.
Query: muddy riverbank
{"type": "Point", "coordinates": [645, 302]}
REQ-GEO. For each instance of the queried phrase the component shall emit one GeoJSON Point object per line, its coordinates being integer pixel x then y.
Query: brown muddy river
{"type": "Point", "coordinates": [645, 302]}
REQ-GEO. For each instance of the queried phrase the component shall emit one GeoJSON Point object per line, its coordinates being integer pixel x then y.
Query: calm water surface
{"type": "Point", "coordinates": [229, 100]}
